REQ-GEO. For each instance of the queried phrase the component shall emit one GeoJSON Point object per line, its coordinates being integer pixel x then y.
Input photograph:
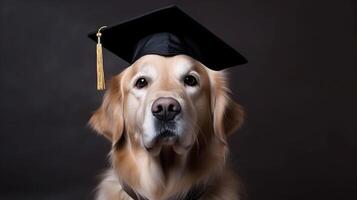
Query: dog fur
{"type": "Point", "coordinates": [209, 116]}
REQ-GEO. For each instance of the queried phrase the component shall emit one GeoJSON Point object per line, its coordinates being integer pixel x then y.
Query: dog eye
{"type": "Point", "coordinates": [190, 80]}
{"type": "Point", "coordinates": [140, 83]}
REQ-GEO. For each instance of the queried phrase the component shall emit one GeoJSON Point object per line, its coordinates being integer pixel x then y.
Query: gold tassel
{"type": "Point", "coordinates": [100, 70]}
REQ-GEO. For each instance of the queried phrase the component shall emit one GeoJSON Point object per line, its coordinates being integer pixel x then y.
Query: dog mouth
{"type": "Point", "coordinates": [167, 135]}
{"type": "Point", "coordinates": [166, 132]}
{"type": "Point", "coordinates": [166, 138]}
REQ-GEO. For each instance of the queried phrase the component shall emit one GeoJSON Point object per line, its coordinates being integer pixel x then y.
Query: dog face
{"type": "Point", "coordinates": [167, 102]}
{"type": "Point", "coordinates": [165, 95]}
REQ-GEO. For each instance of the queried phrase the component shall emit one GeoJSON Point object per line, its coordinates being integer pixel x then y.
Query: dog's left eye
{"type": "Point", "coordinates": [190, 80]}
{"type": "Point", "coordinates": [140, 83]}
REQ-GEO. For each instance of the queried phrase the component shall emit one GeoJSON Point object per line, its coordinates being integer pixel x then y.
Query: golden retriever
{"type": "Point", "coordinates": [168, 119]}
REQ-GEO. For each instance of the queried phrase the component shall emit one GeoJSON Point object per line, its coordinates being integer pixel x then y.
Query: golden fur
{"type": "Point", "coordinates": [163, 174]}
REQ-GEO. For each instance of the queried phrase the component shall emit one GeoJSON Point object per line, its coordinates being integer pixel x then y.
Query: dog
{"type": "Point", "coordinates": [168, 119]}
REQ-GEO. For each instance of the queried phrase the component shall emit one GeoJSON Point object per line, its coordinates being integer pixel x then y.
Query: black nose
{"type": "Point", "coordinates": [165, 108]}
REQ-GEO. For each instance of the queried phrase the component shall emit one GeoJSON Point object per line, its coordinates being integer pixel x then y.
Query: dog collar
{"type": "Point", "coordinates": [193, 194]}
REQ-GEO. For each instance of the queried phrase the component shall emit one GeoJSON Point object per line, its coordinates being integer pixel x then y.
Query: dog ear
{"type": "Point", "coordinates": [108, 119]}
{"type": "Point", "coordinates": [228, 115]}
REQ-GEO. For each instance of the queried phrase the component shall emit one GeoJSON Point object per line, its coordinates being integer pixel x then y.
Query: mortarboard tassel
{"type": "Point", "coordinates": [100, 70]}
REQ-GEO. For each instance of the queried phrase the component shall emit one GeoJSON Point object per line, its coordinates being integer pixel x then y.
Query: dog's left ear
{"type": "Point", "coordinates": [228, 115]}
{"type": "Point", "coordinates": [108, 119]}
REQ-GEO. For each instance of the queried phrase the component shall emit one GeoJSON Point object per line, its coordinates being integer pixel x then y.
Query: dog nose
{"type": "Point", "coordinates": [165, 108]}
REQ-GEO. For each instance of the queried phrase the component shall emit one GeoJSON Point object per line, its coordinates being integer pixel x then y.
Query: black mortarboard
{"type": "Point", "coordinates": [166, 32]}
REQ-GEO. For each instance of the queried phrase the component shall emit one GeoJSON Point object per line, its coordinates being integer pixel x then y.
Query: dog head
{"type": "Point", "coordinates": [167, 102]}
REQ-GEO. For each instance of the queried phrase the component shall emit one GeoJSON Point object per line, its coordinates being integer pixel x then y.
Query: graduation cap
{"type": "Point", "coordinates": [166, 32]}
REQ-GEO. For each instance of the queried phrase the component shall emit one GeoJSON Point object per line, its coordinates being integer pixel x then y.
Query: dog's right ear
{"type": "Point", "coordinates": [108, 119]}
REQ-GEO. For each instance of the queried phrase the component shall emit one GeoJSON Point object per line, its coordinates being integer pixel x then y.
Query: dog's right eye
{"type": "Point", "coordinates": [140, 83]}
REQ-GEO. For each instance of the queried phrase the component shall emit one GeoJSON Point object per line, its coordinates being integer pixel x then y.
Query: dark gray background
{"type": "Point", "coordinates": [299, 91]}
